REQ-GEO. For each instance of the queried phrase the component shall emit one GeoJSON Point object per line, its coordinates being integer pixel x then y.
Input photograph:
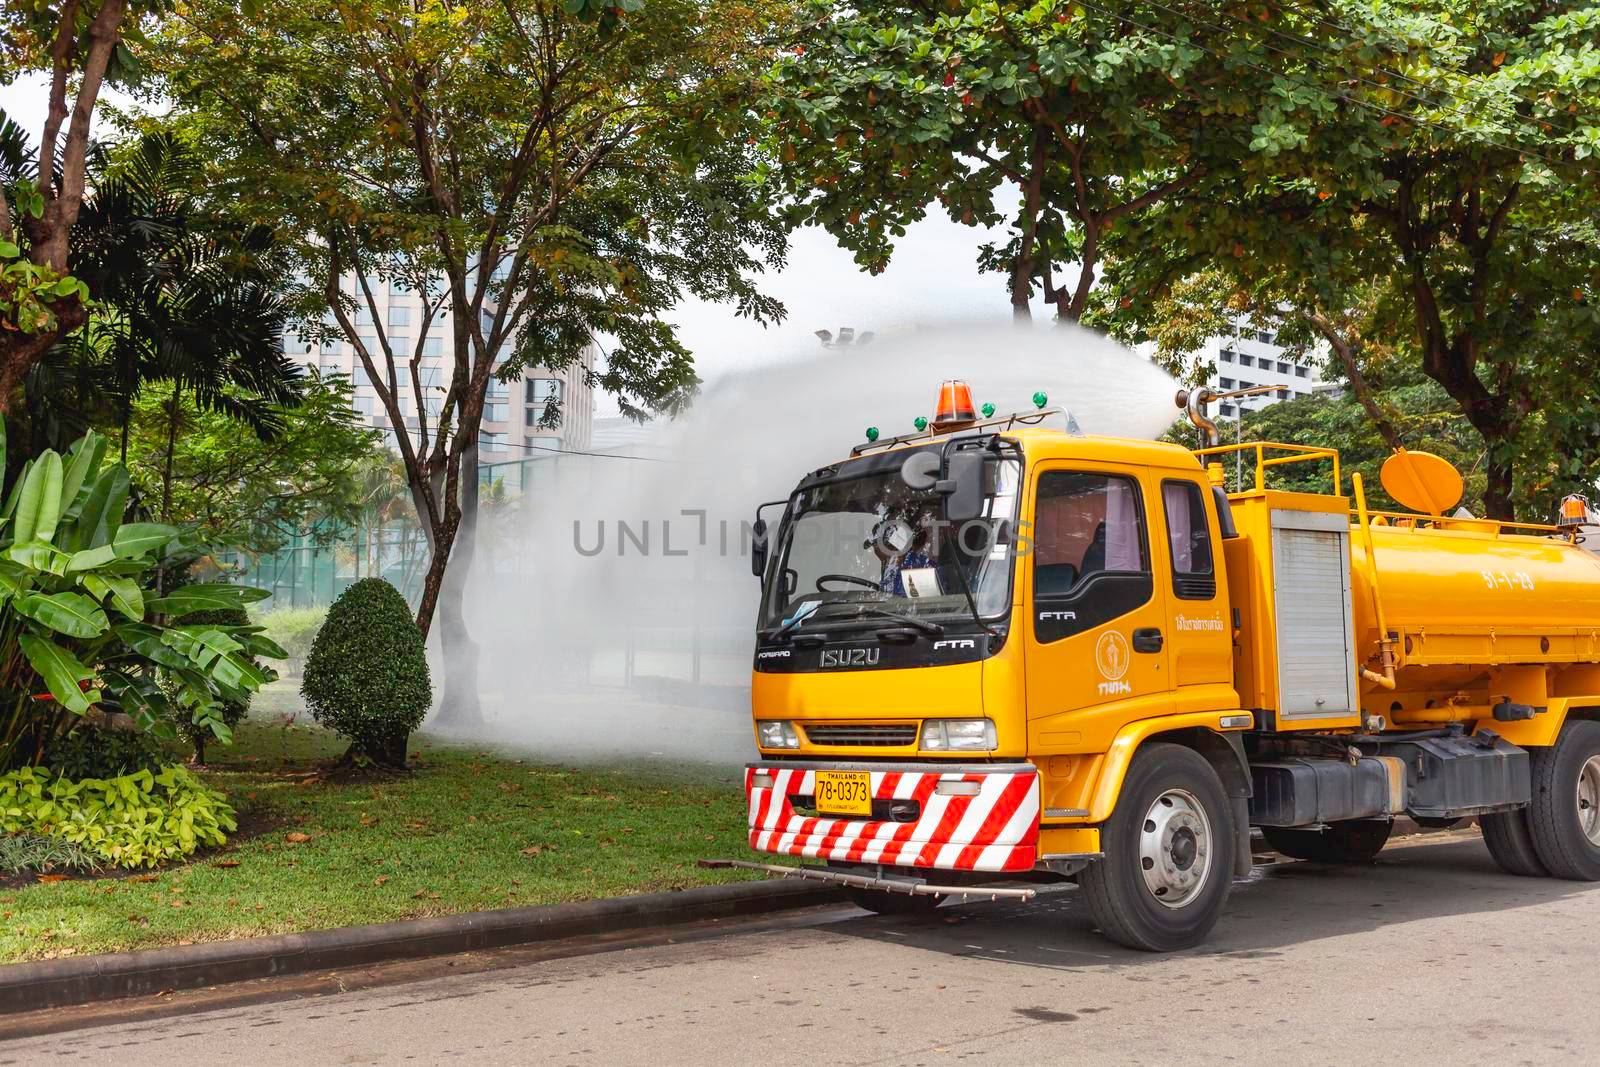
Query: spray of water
{"type": "Point", "coordinates": [614, 600]}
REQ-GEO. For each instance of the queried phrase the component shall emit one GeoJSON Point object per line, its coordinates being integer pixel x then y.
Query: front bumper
{"type": "Point", "coordinates": [995, 830]}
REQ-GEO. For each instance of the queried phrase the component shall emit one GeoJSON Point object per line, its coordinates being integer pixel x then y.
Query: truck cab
{"type": "Point", "coordinates": [996, 649]}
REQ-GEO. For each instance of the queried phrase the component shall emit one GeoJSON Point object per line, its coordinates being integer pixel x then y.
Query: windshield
{"type": "Point", "coordinates": [859, 545]}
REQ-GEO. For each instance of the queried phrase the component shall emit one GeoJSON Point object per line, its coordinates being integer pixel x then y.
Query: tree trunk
{"type": "Point", "coordinates": [459, 706]}
{"type": "Point", "coordinates": [1498, 499]}
{"type": "Point", "coordinates": [172, 444]}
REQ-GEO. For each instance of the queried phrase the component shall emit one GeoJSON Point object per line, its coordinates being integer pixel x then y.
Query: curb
{"type": "Point", "coordinates": [57, 983]}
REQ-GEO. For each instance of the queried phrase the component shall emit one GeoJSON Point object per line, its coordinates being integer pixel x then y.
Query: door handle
{"type": "Point", "coordinates": [1147, 639]}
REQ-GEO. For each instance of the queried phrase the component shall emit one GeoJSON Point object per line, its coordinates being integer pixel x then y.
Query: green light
{"type": "Point", "coordinates": [1039, 399]}
{"type": "Point", "coordinates": [988, 411]}
{"type": "Point", "coordinates": [920, 423]}
{"type": "Point", "coordinates": [872, 433]}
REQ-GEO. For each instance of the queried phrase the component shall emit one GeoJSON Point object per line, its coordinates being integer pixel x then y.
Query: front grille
{"type": "Point", "coordinates": [862, 735]}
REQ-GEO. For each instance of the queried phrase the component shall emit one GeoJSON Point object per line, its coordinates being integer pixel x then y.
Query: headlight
{"type": "Point", "coordinates": [777, 733]}
{"type": "Point", "coordinates": [958, 735]}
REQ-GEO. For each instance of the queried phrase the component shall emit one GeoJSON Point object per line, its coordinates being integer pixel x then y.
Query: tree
{"type": "Point", "coordinates": [80, 42]}
{"type": "Point", "coordinates": [244, 491]}
{"type": "Point", "coordinates": [481, 155]}
{"type": "Point", "coordinates": [1442, 204]}
{"type": "Point", "coordinates": [182, 294]}
{"type": "Point", "coordinates": [1087, 115]}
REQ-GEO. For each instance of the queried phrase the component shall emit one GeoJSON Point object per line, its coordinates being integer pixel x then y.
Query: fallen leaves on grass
{"type": "Point", "coordinates": [144, 878]}
{"type": "Point", "coordinates": [382, 878]}
{"type": "Point", "coordinates": [52, 878]}
{"type": "Point", "coordinates": [534, 850]}
{"type": "Point", "coordinates": [226, 863]}
{"type": "Point", "coordinates": [297, 838]}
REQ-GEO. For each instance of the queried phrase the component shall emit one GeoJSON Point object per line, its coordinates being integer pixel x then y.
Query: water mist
{"type": "Point", "coordinates": [614, 601]}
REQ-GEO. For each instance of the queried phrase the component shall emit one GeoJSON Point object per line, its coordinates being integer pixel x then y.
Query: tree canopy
{"type": "Point", "coordinates": [1440, 208]}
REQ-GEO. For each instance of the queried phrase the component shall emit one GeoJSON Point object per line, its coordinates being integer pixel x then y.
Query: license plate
{"type": "Point", "coordinates": [844, 792]}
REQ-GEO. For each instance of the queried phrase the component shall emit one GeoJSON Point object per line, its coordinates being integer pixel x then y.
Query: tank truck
{"type": "Point", "coordinates": [993, 653]}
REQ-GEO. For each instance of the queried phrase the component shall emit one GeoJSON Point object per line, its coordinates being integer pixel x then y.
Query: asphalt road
{"type": "Point", "coordinates": [1431, 956]}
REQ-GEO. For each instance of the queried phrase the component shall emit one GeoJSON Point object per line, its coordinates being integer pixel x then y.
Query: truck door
{"type": "Point", "coordinates": [1095, 628]}
{"type": "Point", "coordinates": [1200, 646]}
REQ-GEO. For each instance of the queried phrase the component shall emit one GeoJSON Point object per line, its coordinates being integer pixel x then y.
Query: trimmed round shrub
{"type": "Point", "coordinates": [233, 711]}
{"type": "Point", "coordinates": [367, 674]}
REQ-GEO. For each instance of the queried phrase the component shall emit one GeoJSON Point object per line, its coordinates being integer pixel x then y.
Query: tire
{"type": "Point", "coordinates": [1346, 841]}
{"type": "Point", "coordinates": [1511, 843]}
{"type": "Point", "coordinates": [1564, 817]}
{"type": "Point", "coordinates": [1173, 815]}
{"type": "Point", "coordinates": [885, 903]}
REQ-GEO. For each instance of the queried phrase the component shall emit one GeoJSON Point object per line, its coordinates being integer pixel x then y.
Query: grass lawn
{"type": "Point", "coordinates": [470, 830]}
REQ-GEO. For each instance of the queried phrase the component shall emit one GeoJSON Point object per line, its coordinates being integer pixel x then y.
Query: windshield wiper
{"type": "Point", "coordinates": [932, 629]}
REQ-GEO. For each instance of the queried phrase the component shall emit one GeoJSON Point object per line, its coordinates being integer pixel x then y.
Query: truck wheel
{"type": "Point", "coordinates": [1346, 841]}
{"type": "Point", "coordinates": [1511, 843]}
{"type": "Point", "coordinates": [1564, 816]}
{"type": "Point", "coordinates": [1168, 848]}
{"type": "Point", "coordinates": [886, 903]}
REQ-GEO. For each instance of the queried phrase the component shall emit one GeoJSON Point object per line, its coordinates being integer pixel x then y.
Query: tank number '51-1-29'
{"type": "Point", "coordinates": [1504, 580]}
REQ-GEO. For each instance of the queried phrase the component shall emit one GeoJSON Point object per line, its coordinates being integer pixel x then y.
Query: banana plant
{"type": "Point", "coordinates": [81, 632]}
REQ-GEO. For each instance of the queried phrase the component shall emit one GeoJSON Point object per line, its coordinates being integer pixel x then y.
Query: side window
{"type": "Point", "coordinates": [1091, 558]}
{"type": "Point", "coordinates": [1188, 541]}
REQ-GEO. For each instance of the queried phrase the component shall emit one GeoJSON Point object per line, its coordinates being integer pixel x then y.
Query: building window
{"type": "Point", "coordinates": [1266, 336]}
{"type": "Point", "coordinates": [363, 314]}
{"type": "Point", "coordinates": [1226, 410]}
{"type": "Point", "coordinates": [1300, 372]}
{"type": "Point", "coordinates": [540, 390]}
{"type": "Point", "coordinates": [1283, 394]}
{"type": "Point", "coordinates": [361, 378]}
{"type": "Point", "coordinates": [362, 405]}
{"type": "Point", "coordinates": [498, 390]}
{"type": "Point", "coordinates": [492, 442]}
{"type": "Point", "coordinates": [1226, 383]}
{"type": "Point", "coordinates": [1246, 361]}
{"type": "Point", "coordinates": [400, 345]}
{"type": "Point", "coordinates": [399, 315]}
{"type": "Point", "coordinates": [1227, 355]}
{"type": "Point", "coordinates": [1283, 368]}
{"type": "Point", "coordinates": [494, 412]}
{"type": "Point", "coordinates": [432, 347]}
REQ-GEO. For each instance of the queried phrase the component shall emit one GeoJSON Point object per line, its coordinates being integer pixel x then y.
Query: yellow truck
{"type": "Point", "coordinates": [992, 653]}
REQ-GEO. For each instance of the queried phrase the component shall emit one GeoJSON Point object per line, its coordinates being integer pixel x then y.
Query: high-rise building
{"type": "Point", "coordinates": [513, 410]}
{"type": "Point", "coordinates": [1247, 357]}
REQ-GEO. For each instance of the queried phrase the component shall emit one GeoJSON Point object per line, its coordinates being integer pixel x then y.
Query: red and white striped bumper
{"type": "Point", "coordinates": [995, 830]}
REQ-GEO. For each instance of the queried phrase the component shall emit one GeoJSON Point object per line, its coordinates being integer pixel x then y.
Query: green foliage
{"type": "Point", "coordinates": [232, 710]}
{"type": "Point", "coordinates": [77, 630]}
{"type": "Point", "coordinates": [35, 854]}
{"type": "Point", "coordinates": [293, 630]}
{"type": "Point", "coordinates": [1421, 411]}
{"type": "Point", "coordinates": [1432, 200]}
{"type": "Point", "coordinates": [136, 820]}
{"type": "Point", "coordinates": [884, 111]}
{"type": "Point", "coordinates": [101, 752]}
{"type": "Point", "coordinates": [246, 491]}
{"type": "Point", "coordinates": [367, 675]}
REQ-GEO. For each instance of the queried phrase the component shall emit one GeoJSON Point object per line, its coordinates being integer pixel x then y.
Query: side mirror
{"type": "Point", "coordinates": [962, 487]}
{"type": "Point", "coordinates": [758, 547]}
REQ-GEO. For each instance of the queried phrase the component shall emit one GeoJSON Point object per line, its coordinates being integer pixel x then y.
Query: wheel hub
{"type": "Point", "coordinates": [1175, 846]}
{"type": "Point", "coordinates": [1589, 799]}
